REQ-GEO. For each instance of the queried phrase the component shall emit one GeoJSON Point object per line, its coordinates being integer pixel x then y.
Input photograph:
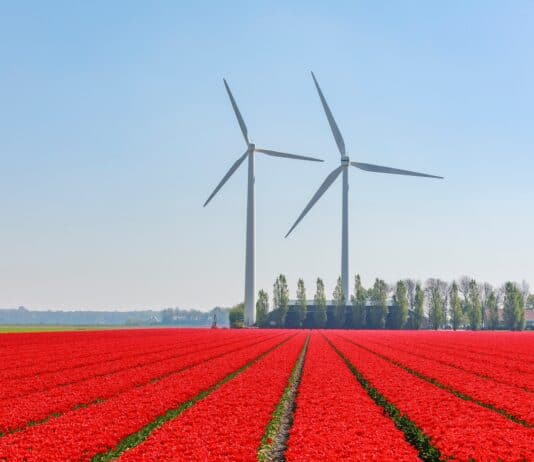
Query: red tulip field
{"type": "Point", "coordinates": [295, 395]}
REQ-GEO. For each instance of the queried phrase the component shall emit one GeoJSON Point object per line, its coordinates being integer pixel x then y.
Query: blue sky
{"type": "Point", "coordinates": [115, 127]}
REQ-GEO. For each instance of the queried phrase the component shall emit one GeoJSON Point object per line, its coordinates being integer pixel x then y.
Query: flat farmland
{"type": "Point", "coordinates": [198, 394]}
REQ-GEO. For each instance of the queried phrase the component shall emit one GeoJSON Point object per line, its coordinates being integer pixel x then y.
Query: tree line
{"type": "Point", "coordinates": [407, 304]}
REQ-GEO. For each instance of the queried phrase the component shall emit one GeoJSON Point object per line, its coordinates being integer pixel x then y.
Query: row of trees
{"type": "Point", "coordinates": [466, 303]}
{"type": "Point", "coordinates": [407, 304]}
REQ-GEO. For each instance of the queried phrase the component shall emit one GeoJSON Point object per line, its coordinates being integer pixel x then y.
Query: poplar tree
{"type": "Point", "coordinates": [339, 304]}
{"type": "Point", "coordinates": [319, 315]}
{"type": "Point", "coordinates": [486, 290]}
{"type": "Point", "coordinates": [492, 311]}
{"type": "Point", "coordinates": [474, 309]}
{"type": "Point", "coordinates": [262, 307]}
{"type": "Point", "coordinates": [456, 306]}
{"type": "Point", "coordinates": [525, 291]}
{"type": "Point", "coordinates": [435, 309]}
{"type": "Point", "coordinates": [276, 294]}
{"type": "Point", "coordinates": [400, 302]}
{"type": "Point", "coordinates": [302, 305]}
{"type": "Point", "coordinates": [463, 286]}
{"type": "Point", "coordinates": [419, 312]}
{"type": "Point", "coordinates": [437, 289]}
{"type": "Point", "coordinates": [513, 307]}
{"type": "Point", "coordinates": [358, 304]}
{"type": "Point", "coordinates": [410, 287]}
{"type": "Point", "coordinates": [443, 288]}
{"type": "Point", "coordinates": [376, 318]}
{"type": "Point", "coordinates": [281, 299]}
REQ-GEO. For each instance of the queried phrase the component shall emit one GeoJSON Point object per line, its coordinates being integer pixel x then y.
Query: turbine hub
{"type": "Point", "coordinates": [251, 147]}
{"type": "Point", "coordinates": [345, 161]}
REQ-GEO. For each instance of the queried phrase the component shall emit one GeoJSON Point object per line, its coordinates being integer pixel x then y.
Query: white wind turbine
{"type": "Point", "coordinates": [344, 167]}
{"type": "Point", "coordinates": [250, 295]}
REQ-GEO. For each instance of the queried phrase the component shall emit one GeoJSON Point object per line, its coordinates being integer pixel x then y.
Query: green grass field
{"type": "Point", "coordinates": [19, 328]}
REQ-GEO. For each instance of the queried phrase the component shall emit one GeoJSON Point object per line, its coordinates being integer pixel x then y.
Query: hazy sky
{"type": "Point", "coordinates": [115, 127]}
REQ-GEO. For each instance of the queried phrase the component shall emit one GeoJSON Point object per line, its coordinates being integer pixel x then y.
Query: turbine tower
{"type": "Point", "coordinates": [344, 168]}
{"type": "Point", "coordinates": [250, 294]}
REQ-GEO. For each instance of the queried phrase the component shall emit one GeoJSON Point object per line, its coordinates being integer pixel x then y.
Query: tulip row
{"type": "Point", "coordinates": [472, 359]}
{"type": "Point", "coordinates": [229, 423]}
{"type": "Point", "coordinates": [24, 348]}
{"type": "Point", "coordinates": [512, 400]}
{"type": "Point", "coordinates": [17, 412]}
{"type": "Point", "coordinates": [84, 432]}
{"type": "Point", "coordinates": [21, 387]}
{"type": "Point", "coordinates": [501, 347]}
{"type": "Point", "coordinates": [458, 428]}
{"type": "Point", "coordinates": [515, 372]}
{"type": "Point", "coordinates": [335, 417]}
{"type": "Point", "coordinates": [49, 363]}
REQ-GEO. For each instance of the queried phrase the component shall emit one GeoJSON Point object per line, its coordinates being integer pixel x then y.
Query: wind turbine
{"type": "Point", "coordinates": [344, 167]}
{"type": "Point", "coordinates": [250, 295]}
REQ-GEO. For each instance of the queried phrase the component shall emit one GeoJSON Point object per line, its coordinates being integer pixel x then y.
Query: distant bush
{"type": "Point", "coordinates": [237, 315]}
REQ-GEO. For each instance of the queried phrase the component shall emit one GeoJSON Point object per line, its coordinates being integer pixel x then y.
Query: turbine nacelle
{"type": "Point", "coordinates": [345, 161]}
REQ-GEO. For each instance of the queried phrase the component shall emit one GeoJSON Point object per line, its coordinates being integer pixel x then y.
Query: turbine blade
{"type": "Point", "coordinates": [335, 130]}
{"type": "Point", "coordinates": [237, 113]}
{"type": "Point", "coordinates": [326, 184]}
{"type": "Point", "coordinates": [394, 171]}
{"type": "Point", "coordinates": [230, 172]}
{"type": "Point", "coordinates": [286, 155]}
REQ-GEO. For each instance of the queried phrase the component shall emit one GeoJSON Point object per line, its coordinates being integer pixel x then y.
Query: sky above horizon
{"type": "Point", "coordinates": [115, 128]}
